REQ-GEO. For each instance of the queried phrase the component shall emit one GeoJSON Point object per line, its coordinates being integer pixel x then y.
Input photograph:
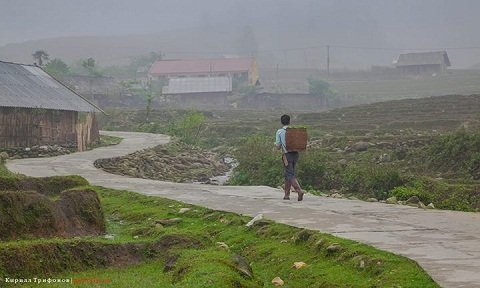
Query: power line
{"type": "Point", "coordinates": [332, 46]}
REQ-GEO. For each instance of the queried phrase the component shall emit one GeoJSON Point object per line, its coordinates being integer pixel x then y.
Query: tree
{"type": "Point", "coordinates": [189, 127]}
{"type": "Point", "coordinates": [89, 65]}
{"type": "Point", "coordinates": [138, 87]}
{"type": "Point", "coordinates": [40, 56]}
{"type": "Point", "coordinates": [321, 89]}
{"type": "Point", "coordinates": [57, 68]}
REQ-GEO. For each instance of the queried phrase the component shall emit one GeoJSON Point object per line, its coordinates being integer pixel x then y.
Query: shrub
{"type": "Point", "coordinates": [406, 192]}
{"type": "Point", "coordinates": [458, 153]}
{"type": "Point", "coordinates": [458, 196]}
{"type": "Point", "coordinates": [188, 127]}
{"type": "Point", "coordinates": [370, 180]}
{"type": "Point", "coordinates": [317, 171]}
{"type": "Point", "coordinates": [259, 164]}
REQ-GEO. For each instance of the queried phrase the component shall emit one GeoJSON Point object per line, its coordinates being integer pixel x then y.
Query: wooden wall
{"type": "Point", "coordinates": [22, 127]}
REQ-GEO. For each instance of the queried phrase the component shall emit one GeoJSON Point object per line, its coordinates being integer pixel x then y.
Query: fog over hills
{"type": "Point", "coordinates": [280, 32]}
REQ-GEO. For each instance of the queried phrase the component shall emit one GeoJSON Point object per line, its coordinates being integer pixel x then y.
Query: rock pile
{"type": "Point", "coordinates": [174, 162]}
{"type": "Point", "coordinates": [38, 151]}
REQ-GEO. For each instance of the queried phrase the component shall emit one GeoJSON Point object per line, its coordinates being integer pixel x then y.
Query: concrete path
{"type": "Point", "coordinates": [445, 243]}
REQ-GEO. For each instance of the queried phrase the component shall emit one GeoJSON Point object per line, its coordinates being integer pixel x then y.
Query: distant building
{"type": "Point", "coordinates": [198, 92]}
{"type": "Point", "coordinates": [36, 109]}
{"type": "Point", "coordinates": [240, 70]}
{"type": "Point", "coordinates": [198, 85]}
{"type": "Point", "coordinates": [423, 62]}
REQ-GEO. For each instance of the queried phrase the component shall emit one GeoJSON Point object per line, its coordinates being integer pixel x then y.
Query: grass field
{"type": "Point", "coordinates": [205, 248]}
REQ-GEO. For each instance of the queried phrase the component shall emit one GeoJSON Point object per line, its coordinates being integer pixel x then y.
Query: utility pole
{"type": "Point", "coordinates": [328, 60]}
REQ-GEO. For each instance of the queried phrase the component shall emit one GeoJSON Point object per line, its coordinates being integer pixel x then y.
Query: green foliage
{"type": "Point", "coordinates": [105, 141]}
{"type": "Point", "coordinates": [320, 87]}
{"type": "Point", "coordinates": [259, 164]}
{"type": "Point", "coordinates": [412, 189]}
{"type": "Point", "coordinates": [370, 180]}
{"type": "Point", "coordinates": [209, 266]}
{"type": "Point", "coordinates": [86, 67]}
{"type": "Point", "coordinates": [3, 170]}
{"type": "Point", "coordinates": [316, 170]}
{"type": "Point", "coordinates": [50, 186]}
{"type": "Point", "coordinates": [200, 263]}
{"type": "Point", "coordinates": [457, 153]}
{"type": "Point", "coordinates": [57, 68]}
{"type": "Point", "coordinates": [188, 127]}
{"type": "Point", "coordinates": [456, 196]}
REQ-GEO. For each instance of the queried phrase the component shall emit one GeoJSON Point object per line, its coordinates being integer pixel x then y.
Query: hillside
{"type": "Point", "coordinates": [442, 113]}
{"type": "Point", "coordinates": [114, 50]}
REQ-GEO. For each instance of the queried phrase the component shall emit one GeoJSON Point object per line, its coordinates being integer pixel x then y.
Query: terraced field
{"type": "Point", "coordinates": [441, 113]}
{"type": "Point", "coordinates": [363, 88]}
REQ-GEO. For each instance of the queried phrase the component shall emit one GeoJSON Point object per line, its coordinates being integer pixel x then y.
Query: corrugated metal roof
{"type": "Point", "coordinates": [198, 85]}
{"type": "Point", "coordinates": [28, 86]}
{"type": "Point", "coordinates": [422, 58]}
{"type": "Point", "coordinates": [197, 66]}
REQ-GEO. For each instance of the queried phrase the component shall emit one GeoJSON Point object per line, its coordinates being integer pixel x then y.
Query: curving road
{"type": "Point", "coordinates": [445, 243]}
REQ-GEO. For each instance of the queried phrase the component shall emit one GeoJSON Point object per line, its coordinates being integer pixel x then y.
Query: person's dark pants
{"type": "Point", "coordinates": [289, 173]}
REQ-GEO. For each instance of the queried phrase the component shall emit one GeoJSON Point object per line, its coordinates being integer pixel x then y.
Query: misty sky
{"type": "Point", "coordinates": [376, 23]}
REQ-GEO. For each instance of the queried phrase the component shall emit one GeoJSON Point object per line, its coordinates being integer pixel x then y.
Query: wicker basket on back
{"type": "Point", "coordinates": [296, 139]}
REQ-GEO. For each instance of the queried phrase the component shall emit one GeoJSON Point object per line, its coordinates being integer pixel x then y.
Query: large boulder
{"type": "Point", "coordinates": [360, 146]}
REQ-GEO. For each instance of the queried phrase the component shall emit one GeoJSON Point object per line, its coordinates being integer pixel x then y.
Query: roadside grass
{"type": "Point", "coordinates": [4, 171]}
{"type": "Point", "coordinates": [105, 140]}
{"type": "Point", "coordinates": [270, 249]}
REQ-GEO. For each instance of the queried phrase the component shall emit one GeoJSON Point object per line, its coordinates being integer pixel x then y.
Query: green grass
{"type": "Point", "coordinates": [4, 171]}
{"type": "Point", "coordinates": [270, 248]}
{"type": "Point", "coordinates": [105, 140]}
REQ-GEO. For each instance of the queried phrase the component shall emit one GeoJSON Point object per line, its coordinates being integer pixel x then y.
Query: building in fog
{"type": "Point", "coordinates": [422, 63]}
{"type": "Point", "coordinates": [239, 70]}
{"type": "Point", "coordinates": [36, 109]}
{"type": "Point", "coordinates": [198, 92]}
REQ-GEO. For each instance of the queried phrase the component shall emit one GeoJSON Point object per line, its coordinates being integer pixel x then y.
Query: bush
{"type": "Point", "coordinates": [406, 192]}
{"type": "Point", "coordinates": [317, 171]}
{"type": "Point", "coordinates": [188, 127]}
{"type": "Point", "coordinates": [370, 180]}
{"type": "Point", "coordinates": [259, 164]}
{"type": "Point", "coordinates": [458, 196]}
{"type": "Point", "coordinates": [457, 153]}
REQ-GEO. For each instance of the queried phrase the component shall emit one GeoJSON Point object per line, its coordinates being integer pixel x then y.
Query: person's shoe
{"type": "Point", "coordinates": [300, 196]}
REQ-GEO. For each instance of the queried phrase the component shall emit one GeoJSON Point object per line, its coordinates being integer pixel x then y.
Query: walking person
{"type": "Point", "coordinates": [290, 160]}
